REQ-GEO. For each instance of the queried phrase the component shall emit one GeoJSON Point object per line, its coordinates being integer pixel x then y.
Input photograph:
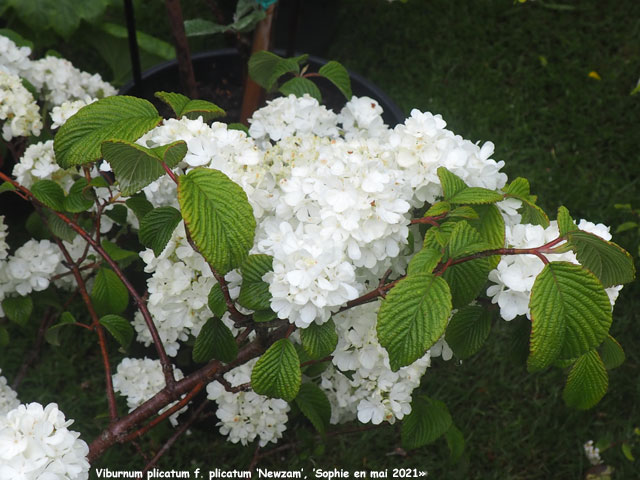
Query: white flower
{"type": "Point", "coordinates": [36, 444]}
{"type": "Point", "coordinates": [8, 397]}
{"type": "Point", "coordinates": [60, 114]}
{"type": "Point", "coordinates": [592, 452]}
{"type": "Point", "coordinates": [19, 112]}
{"type": "Point", "coordinates": [4, 246]}
{"type": "Point", "coordinates": [140, 379]}
{"type": "Point", "coordinates": [245, 416]}
{"type": "Point", "coordinates": [13, 59]}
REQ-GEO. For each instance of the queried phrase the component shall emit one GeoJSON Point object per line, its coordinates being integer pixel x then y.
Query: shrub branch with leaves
{"type": "Point", "coordinates": [323, 260]}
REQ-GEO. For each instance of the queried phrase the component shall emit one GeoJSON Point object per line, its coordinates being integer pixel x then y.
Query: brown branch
{"type": "Point", "coordinates": [187, 77]}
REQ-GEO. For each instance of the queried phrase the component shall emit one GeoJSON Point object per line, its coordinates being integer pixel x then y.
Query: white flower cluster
{"type": "Point", "coordinates": [178, 291]}
{"type": "Point", "coordinates": [13, 59]}
{"type": "Point", "coordinates": [4, 246]}
{"type": "Point", "coordinates": [39, 163]}
{"type": "Point", "coordinates": [63, 112]}
{"type": "Point", "coordinates": [35, 444]}
{"type": "Point", "coordinates": [514, 276]}
{"type": "Point", "coordinates": [8, 397]}
{"type": "Point", "coordinates": [378, 393]}
{"type": "Point", "coordinates": [246, 415]}
{"type": "Point", "coordinates": [140, 379]}
{"type": "Point", "coordinates": [19, 112]}
{"type": "Point", "coordinates": [592, 452]}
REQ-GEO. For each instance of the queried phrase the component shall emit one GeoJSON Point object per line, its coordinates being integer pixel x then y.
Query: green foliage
{"type": "Point", "coordinates": [216, 301]}
{"type": "Point", "coordinates": [59, 227]}
{"type": "Point", "coordinates": [157, 226]}
{"type": "Point", "coordinates": [265, 68]}
{"type": "Point", "coordinates": [611, 353]}
{"type": "Point", "coordinates": [109, 295]}
{"type": "Point", "coordinates": [125, 257]}
{"type": "Point", "coordinates": [587, 382]}
{"type": "Point", "coordinates": [247, 15]}
{"type": "Point", "coordinates": [531, 213]}
{"type": "Point", "coordinates": [468, 329]}
{"type": "Point", "coordinates": [113, 118]}
{"type": "Point", "coordinates": [412, 317]}
{"type": "Point", "coordinates": [52, 335]}
{"type": "Point", "coordinates": [139, 205]}
{"type": "Point", "coordinates": [119, 328]}
{"type": "Point", "coordinates": [183, 106]}
{"type": "Point", "coordinates": [570, 314]}
{"type": "Point", "coordinates": [135, 166]}
{"type": "Point", "coordinates": [424, 261]}
{"type": "Point", "coordinates": [319, 341]}
{"type": "Point", "coordinates": [298, 86]}
{"type": "Point", "coordinates": [218, 216]}
{"type": "Point", "coordinates": [215, 340]}
{"type": "Point", "coordinates": [254, 292]}
{"type": "Point", "coordinates": [565, 222]}
{"type": "Point", "coordinates": [18, 309]}
{"type": "Point", "coordinates": [455, 442]}
{"type": "Point", "coordinates": [49, 193]}
{"type": "Point", "coordinates": [338, 75]}
{"type": "Point", "coordinates": [79, 198]}
{"type": "Point", "coordinates": [429, 420]}
{"type": "Point", "coordinates": [610, 263]}
{"type": "Point", "coordinates": [277, 373]}
{"type": "Point", "coordinates": [314, 404]}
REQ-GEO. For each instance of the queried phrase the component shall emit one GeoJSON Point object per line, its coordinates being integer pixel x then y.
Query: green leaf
{"type": "Point", "coordinates": [254, 292]}
{"type": "Point", "coordinates": [183, 106]}
{"type": "Point", "coordinates": [319, 341]}
{"type": "Point", "coordinates": [218, 216]}
{"type": "Point", "coordinates": [623, 227]}
{"type": "Point", "coordinates": [625, 447]}
{"type": "Point", "coordinates": [338, 75]}
{"type": "Point", "coordinates": [18, 309]}
{"type": "Point", "coordinates": [465, 212]}
{"type": "Point", "coordinates": [533, 214]}
{"type": "Point", "coordinates": [52, 335]}
{"type": "Point", "coordinates": [119, 328]}
{"type": "Point", "coordinates": [157, 226]}
{"type": "Point", "coordinates": [467, 330]}
{"type": "Point", "coordinates": [490, 225]}
{"type": "Point", "coordinates": [565, 222]}
{"type": "Point", "coordinates": [464, 241]}
{"type": "Point", "coordinates": [298, 86]}
{"type": "Point", "coordinates": [475, 196]}
{"type": "Point", "coordinates": [216, 301]}
{"type": "Point", "coordinates": [437, 209]}
{"type": "Point", "coordinates": [238, 126]}
{"type": "Point", "coordinates": [59, 227]}
{"type": "Point", "coordinates": [314, 404]}
{"type": "Point", "coordinates": [265, 68]}
{"type": "Point", "coordinates": [215, 340]}
{"type": "Point", "coordinates": [171, 154]}
{"type": "Point", "coordinates": [36, 227]}
{"type": "Point", "coordinates": [99, 182]}
{"type": "Point", "coordinates": [424, 261]}
{"type": "Point", "coordinates": [429, 420]}
{"type": "Point", "coordinates": [119, 254]}
{"type": "Point", "coordinates": [467, 280]}
{"type": "Point", "coordinates": [570, 314]}
{"type": "Point", "coordinates": [609, 262]}
{"type": "Point", "coordinates": [451, 183]}
{"type": "Point", "coordinates": [118, 213]}
{"type": "Point", "coordinates": [277, 373]}
{"type": "Point", "coordinates": [7, 187]}
{"type": "Point", "coordinates": [199, 27]}
{"type": "Point", "coordinates": [112, 118]}
{"type": "Point", "coordinates": [264, 316]}
{"type": "Point", "coordinates": [611, 353]}
{"type": "Point", "coordinates": [135, 166]}
{"type": "Point", "coordinates": [140, 205]}
{"type": "Point", "coordinates": [455, 442]}
{"type": "Point", "coordinates": [109, 295]}
{"type": "Point", "coordinates": [49, 193]}
{"type": "Point", "coordinates": [412, 317]}
{"type": "Point", "coordinates": [587, 382]}
{"type": "Point", "coordinates": [15, 37]}
{"type": "Point", "coordinates": [518, 188]}
{"type": "Point", "coordinates": [79, 198]}
{"type": "Point", "coordinates": [147, 43]}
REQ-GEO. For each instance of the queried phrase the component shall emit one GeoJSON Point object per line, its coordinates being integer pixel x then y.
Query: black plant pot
{"type": "Point", "coordinates": [219, 75]}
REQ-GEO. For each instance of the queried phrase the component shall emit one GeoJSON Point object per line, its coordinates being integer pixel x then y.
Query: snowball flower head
{"type": "Point", "coordinates": [36, 444]}
{"type": "Point", "coordinates": [19, 112]}
{"type": "Point", "coordinates": [8, 397]}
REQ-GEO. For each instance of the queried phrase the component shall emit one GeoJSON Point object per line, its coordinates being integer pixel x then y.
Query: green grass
{"type": "Point", "coordinates": [517, 75]}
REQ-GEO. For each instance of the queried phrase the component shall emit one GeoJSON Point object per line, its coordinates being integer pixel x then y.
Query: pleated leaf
{"type": "Point", "coordinates": [319, 341]}
{"type": "Point", "coordinates": [183, 106]}
{"type": "Point", "coordinates": [119, 328]}
{"type": "Point", "coordinates": [254, 292]}
{"type": "Point", "coordinates": [109, 295]}
{"type": "Point", "coordinates": [467, 331]}
{"type": "Point", "coordinates": [216, 301]}
{"type": "Point", "coordinates": [52, 335]}
{"type": "Point", "coordinates": [277, 373]}
{"type": "Point", "coordinates": [215, 340]}
{"type": "Point", "coordinates": [412, 317]}
{"type": "Point", "coordinates": [587, 382]}
{"type": "Point", "coordinates": [490, 225]}
{"type": "Point", "coordinates": [265, 68]}
{"type": "Point", "coordinates": [611, 353]}
{"type": "Point", "coordinates": [609, 262]}
{"type": "Point", "coordinates": [455, 442]}
{"type": "Point", "coordinates": [338, 75]}
{"type": "Point", "coordinates": [475, 196]}
{"type": "Point", "coordinates": [298, 86]}
{"type": "Point", "coordinates": [424, 261]}
{"type": "Point", "coordinates": [314, 404]}
{"type": "Point", "coordinates": [565, 222]}
{"type": "Point", "coordinates": [79, 198]}
{"type": "Point", "coordinates": [429, 420]}
{"type": "Point", "coordinates": [135, 166]}
{"type": "Point", "coordinates": [139, 205]}
{"type": "Point", "coordinates": [157, 226]}
{"type": "Point", "coordinates": [18, 309]}
{"type": "Point", "coordinates": [218, 216]}
{"type": "Point", "coordinates": [570, 314]}
{"type": "Point", "coordinates": [451, 183]}
{"type": "Point", "coordinates": [467, 280]}
{"type": "Point", "coordinates": [112, 118]}
{"type": "Point", "coordinates": [49, 193]}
